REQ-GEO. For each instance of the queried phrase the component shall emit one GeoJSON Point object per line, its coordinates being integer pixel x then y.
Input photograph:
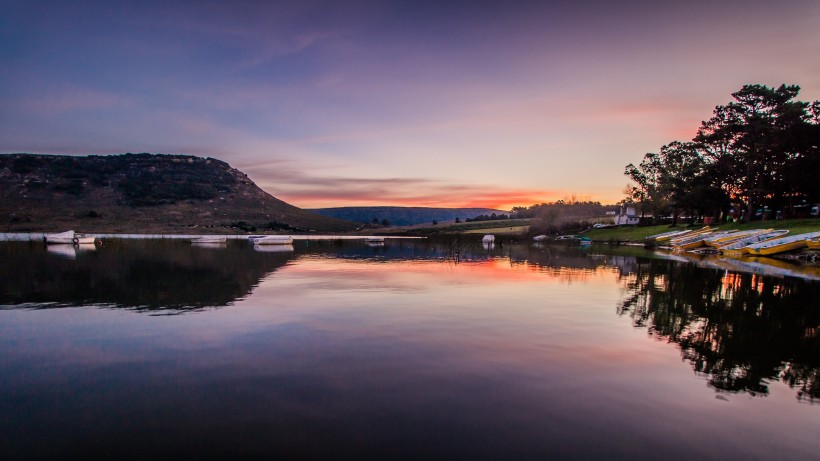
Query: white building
{"type": "Point", "coordinates": [626, 216]}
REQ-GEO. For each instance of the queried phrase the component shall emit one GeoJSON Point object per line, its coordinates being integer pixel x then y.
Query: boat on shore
{"type": "Point", "coordinates": [733, 236]}
{"type": "Point", "coordinates": [781, 245]}
{"type": "Point", "coordinates": [738, 247]}
{"type": "Point", "coordinates": [667, 235]}
{"type": "Point", "coordinates": [539, 238]}
{"type": "Point", "coordinates": [690, 241]}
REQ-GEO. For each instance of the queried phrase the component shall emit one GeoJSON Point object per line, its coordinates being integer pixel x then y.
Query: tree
{"type": "Point", "coordinates": [753, 131]}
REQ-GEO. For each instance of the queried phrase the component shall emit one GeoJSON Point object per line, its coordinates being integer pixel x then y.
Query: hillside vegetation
{"type": "Point", "coordinates": [139, 193]}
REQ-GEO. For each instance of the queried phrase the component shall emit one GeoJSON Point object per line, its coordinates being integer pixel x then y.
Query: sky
{"type": "Point", "coordinates": [354, 103]}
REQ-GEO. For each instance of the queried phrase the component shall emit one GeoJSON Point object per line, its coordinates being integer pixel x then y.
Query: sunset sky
{"type": "Point", "coordinates": [473, 103]}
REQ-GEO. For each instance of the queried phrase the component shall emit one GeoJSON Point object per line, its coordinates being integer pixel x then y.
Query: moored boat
{"type": "Point", "coordinates": [781, 245]}
{"type": "Point", "coordinates": [539, 238]}
{"type": "Point", "coordinates": [68, 237]}
{"type": "Point", "coordinates": [274, 240]}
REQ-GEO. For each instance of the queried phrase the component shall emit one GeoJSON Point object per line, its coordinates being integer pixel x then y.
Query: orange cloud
{"type": "Point", "coordinates": [307, 190]}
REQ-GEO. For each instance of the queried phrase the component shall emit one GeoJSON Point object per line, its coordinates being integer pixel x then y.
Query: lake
{"type": "Point", "coordinates": [409, 350]}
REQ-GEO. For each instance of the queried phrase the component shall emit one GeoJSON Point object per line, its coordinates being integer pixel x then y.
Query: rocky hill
{"type": "Point", "coordinates": [138, 193]}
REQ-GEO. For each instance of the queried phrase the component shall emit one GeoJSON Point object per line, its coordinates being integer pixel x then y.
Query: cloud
{"type": "Point", "coordinates": [302, 188]}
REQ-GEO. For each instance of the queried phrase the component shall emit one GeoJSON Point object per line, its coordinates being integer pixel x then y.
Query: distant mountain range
{"type": "Point", "coordinates": [142, 193]}
{"type": "Point", "coordinates": [403, 216]}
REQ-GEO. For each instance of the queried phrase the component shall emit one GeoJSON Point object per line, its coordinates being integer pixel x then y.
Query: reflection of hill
{"type": "Point", "coordinates": [740, 329]}
{"type": "Point", "coordinates": [151, 275]}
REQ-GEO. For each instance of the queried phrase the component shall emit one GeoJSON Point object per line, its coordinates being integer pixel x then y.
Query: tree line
{"type": "Point", "coordinates": [760, 150]}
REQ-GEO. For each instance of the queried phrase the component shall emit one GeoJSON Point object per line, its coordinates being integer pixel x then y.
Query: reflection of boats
{"type": "Point", "coordinates": [739, 246]}
{"type": "Point", "coordinates": [274, 240]}
{"type": "Point", "coordinates": [279, 248]}
{"type": "Point", "coordinates": [813, 243]}
{"type": "Point", "coordinates": [68, 237]}
{"type": "Point", "coordinates": [539, 238]}
{"type": "Point", "coordinates": [768, 267]}
{"type": "Point", "coordinates": [209, 244]}
{"type": "Point", "coordinates": [489, 238]}
{"type": "Point", "coordinates": [66, 250]}
{"type": "Point", "coordinates": [781, 245]}
{"type": "Point", "coordinates": [374, 243]}
{"type": "Point", "coordinates": [374, 240]}
{"type": "Point", "coordinates": [209, 239]}
{"type": "Point", "coordinates": [488, 245]}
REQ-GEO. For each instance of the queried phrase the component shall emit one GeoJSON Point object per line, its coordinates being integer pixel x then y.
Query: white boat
{"type": "Point", "coordinates": [209, 239]}
{"type": "Point", "coordinates": [539, 238]}
{"type": "Point", "coordinates": [489, 238]}
{"type": "Point", "coordinates": [68, 237]}
{"type": "Point", "coordinates": [61, 238]}
{"type": "Point", "coordinates": [274, 240]}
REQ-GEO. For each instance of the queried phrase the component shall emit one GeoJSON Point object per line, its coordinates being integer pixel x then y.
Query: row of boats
{"type": "Point", "coordinates": [756, 242]}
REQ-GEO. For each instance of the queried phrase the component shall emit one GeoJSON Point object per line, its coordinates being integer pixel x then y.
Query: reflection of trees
{"type": "Point", "coordinates": [740, 330]}
{"type": "Point", "coordinates": [147, 275]}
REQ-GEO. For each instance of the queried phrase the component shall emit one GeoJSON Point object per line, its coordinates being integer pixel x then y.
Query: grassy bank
{"type": "Point", "coordinates": [633, 234]}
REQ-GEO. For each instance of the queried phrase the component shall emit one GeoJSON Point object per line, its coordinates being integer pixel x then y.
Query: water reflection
{"type": "Point", "coordinates": [146, 275]}
{"type": "Point", "coordinates": [740, 329]}
{"type": "Point", "coordinates": [410, 350]}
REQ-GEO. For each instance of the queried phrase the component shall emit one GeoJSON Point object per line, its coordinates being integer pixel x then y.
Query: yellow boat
{"type": "Point", "coordinates": [694, 241]}
{"type": "Point", "coordinates": [813, 244]}
{"type": "Point", "coordinates": [781, 245]}
{"type": "Point", "coordinates": [720, 241]}
{"type": "Point", "coordinates": [739, 247]}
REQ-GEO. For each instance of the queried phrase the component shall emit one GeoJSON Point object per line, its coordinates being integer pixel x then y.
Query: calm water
{"type": "Point", "coordinates": [152, 349]}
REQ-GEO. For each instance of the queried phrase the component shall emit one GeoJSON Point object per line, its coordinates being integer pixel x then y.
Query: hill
{"type": "Point", "coordinates": [138, 193]}
{"type": "Point", "coordinates": [403, 216]}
